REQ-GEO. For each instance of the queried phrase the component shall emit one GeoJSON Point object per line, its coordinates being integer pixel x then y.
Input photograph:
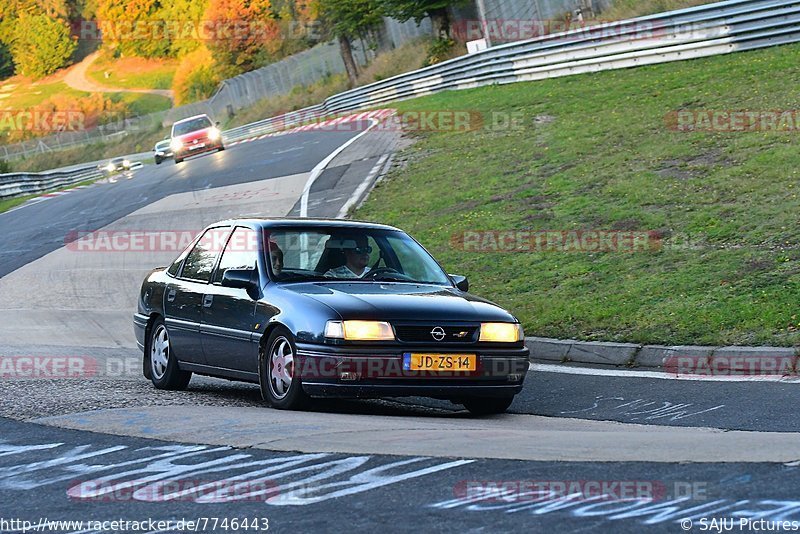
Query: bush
{"type": "Point", "coordinates": [5, 166]}
{"type": "Point", "coordinates": [440, 50]}
{"type": "Point", "coordinates": [196, 77]}
{"type": "Point", "coordinates": [41, 45]}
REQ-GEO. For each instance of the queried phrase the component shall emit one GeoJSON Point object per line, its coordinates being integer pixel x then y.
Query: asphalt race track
{"type": "Point", "coordinates": [579, 451]}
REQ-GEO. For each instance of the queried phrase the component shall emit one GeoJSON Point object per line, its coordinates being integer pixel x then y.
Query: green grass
{"type": "Point", "coordinates": [8, 203]}
{"type": "Point", "coordinates": [134, 73]}
{"type": "Point", "coordinates": [141, 103]}
{"type": "Point", "coordinates": [594, 153]}
{"type": "Point", "coordinates": [28, 95]}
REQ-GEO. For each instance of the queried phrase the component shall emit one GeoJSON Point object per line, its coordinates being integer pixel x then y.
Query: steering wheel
{"type": "Point", "coordinates": [374, 273]}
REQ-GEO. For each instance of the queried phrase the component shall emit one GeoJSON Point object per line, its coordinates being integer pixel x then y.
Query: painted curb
{"type": "Point", "coordinates": [659, 357]}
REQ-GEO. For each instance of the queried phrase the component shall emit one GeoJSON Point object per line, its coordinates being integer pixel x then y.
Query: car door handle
{"type": "Point", "coordinates": [171, 295]}
{"type": "Point", "coordinates": [208, 300]}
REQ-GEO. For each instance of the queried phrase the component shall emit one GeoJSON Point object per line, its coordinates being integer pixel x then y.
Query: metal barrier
{"type": "Point", "coordinates": [28, 183]}
{"type": "Point", "coordinates": [706, 30]}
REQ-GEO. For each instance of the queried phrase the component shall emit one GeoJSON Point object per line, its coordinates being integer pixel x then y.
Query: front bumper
{"type": "Point", "coordinates": [344, 371]}
{"type": "Point", "coordinates": [201, 148]}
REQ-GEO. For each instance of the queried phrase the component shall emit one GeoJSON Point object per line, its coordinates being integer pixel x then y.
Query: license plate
{"type": "Point", "coordinates": [439, 362]}
{"type": "Point", "coordinates": [195, 147]}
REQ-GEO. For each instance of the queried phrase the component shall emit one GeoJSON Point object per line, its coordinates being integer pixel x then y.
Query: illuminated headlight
{"type": "Point", "coordinates": [175, 144]}
{"type": "Point", "coordinates": [214, 134]}
{"type": "Point", "coordinates": [501, 332]}
{"type": "Point", "coordinates": [359, 330]}
{"type": "Point", "coordinates": [126, 163]}
{"type": "Point", "coordinates": [110, 167]}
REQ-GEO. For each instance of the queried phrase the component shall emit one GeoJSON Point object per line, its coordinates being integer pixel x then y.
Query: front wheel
{"type": "Point", "coordinates": [278, 372]}
{"type": "Point", "coordinates": [487, 405]}
{"type": "Point", "coordinates": [164, 370]}
{"type": "Point", "coordinates": [158, 160]}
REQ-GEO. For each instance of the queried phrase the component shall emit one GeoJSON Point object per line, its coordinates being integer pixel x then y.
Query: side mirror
{"type": "Point", "coordinates": [242, 279]}
{"type": "Point", "coordinates": [461, 282]}
{"type": "Point", "coordinates": [216, 123]}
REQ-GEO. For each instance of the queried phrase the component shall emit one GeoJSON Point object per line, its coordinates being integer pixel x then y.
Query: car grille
{"type": "Point", "coordinates": [422, 333]}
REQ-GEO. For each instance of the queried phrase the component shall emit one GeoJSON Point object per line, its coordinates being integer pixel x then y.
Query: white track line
{"type": "Point", "coordinates": [361, 187]}
{"type": "Point", "coordinates": [317, 170]}
{"type": "Point", "coordinates": [568, 370]}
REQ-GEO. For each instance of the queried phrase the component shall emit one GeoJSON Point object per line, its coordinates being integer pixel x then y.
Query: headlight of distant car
{"type": "Point", "coordinates": [126, 163]}
{"type": "Point", "coordinates": [501, 332]}
{"type": "Point", "coordinates": [214, 134]}
{"type": "Point", "coordinates": [175, 144]}
{"type": "Point", "coordinates": [359, 330]}
{"type": "Point", "coordinates": [110, 167]}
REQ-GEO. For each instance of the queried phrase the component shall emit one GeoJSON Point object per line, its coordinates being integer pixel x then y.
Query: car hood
{"type": "Point", "coordinates": [401, 301]}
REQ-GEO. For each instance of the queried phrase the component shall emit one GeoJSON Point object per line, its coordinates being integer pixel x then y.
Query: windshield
{"type": "Point", "coordinates": [360, 254]}
{"type": "Point", "coordinates": [182, 128]}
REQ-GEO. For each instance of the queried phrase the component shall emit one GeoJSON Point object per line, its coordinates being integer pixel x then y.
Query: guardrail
{"type": "Point", "coordinates": [705, 30]}
{"type": "Point", "coordinates": [28, 183]}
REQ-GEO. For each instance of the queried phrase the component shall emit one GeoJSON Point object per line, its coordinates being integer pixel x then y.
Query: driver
{"type": "Point", "coordinates": [356, 259]}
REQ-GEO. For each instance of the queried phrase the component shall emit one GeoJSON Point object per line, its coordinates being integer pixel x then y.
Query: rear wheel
{"type": "Point", "coordinates": [487, 405]}
{"type": "Point", "coordinates": [279, 375]}
{"type": "Point", "coordinates": [164, 370]}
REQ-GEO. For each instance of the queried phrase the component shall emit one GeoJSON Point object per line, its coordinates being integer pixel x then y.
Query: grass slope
{"type": "Point", "coordinates": [595, 153]}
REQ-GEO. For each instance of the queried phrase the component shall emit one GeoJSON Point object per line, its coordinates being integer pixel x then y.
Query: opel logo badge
{"type": "Point", "coordinates": [438, 333]}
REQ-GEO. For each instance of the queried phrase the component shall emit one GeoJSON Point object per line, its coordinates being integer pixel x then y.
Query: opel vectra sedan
{"type": "Point", "coordinates": [320, 308]}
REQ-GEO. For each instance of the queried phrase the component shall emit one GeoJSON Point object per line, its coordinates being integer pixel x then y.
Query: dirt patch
{"type": "Point", "coordinates": [692, 167]}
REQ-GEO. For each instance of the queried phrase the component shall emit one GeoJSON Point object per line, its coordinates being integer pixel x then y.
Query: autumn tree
{"type": "Point", "coordinates": [244, 34]}
{"type": "Point", "coordinates": [437, 10]}
{"type": "Point", "coordinates": [41, 45]}
{"type": "Point", "coordinates": [349, 20]}
{"type": "Point", "coordinates": [133, 27]}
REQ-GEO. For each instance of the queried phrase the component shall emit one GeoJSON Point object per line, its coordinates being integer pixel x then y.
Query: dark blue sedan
{"type": "Point", "coordinates": [321, 308]}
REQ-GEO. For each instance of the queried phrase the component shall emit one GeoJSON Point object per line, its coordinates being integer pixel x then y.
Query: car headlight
{"type": "Point", "coordinates": [501, 332]}
{"type": "Point", "coordinates": [110, 167]}
{"type": "Point", "coordinates": [126, 163]}
{"type": "Point", "coordinates": [214, 134]}
{"type": "Point", "coordinates": [175, 144]}
{"type": "Point", "coordinates": [359, 330]}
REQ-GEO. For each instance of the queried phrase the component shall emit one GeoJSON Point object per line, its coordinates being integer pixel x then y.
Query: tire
{"type": "Point", "coordinates": [164, 370]}
{"type": "Point", "coordinates": [158, 160]}
{"type": "Point", "coordinates": [221, 148]}
{"type": "Point", "coordinates": [178, 160]}
{"type": "Point", "coordinates": [281, 386]}
{"type": "Point", "coordinates": [487, 405]}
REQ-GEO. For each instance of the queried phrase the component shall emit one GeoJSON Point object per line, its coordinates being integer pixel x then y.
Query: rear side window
{"type": "Point", "coordinates": [200, 262]}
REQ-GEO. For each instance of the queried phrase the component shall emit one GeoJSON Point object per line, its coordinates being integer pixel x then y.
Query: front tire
{"type": "Point", "coordinates": [278, 372]}
{"type": "Point", "coordinates": [158, 160]}
{"type": "Point", "coordinates": [164, 370]}
{"type": "Point", "coordinates": [487, 405]}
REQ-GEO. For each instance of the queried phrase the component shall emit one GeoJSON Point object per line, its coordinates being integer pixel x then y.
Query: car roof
{"type": "Point", "coordinates": [187, 119]}
{"type": "Point", "coordinates": [305, 222]}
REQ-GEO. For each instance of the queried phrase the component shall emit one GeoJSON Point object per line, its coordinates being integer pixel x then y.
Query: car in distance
{"type": "Point", "coordinates": [162, 151]}
{"type": "Point", "coordinates": [117, 165]}
{"type": "Point", "coordinates": [195, 135]}
{"type": "Point", "coordinates": [322, 308]}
